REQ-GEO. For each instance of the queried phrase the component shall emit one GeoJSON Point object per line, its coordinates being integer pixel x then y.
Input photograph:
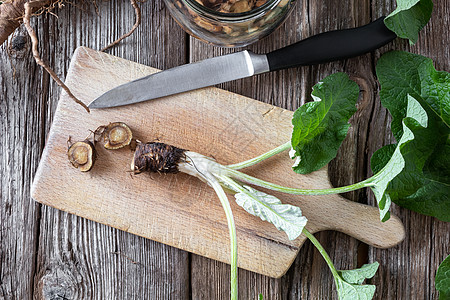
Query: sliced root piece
{"type": "Point", "coordinates": [114, 136]}
{"type": "Point", "coordinates": [82, 155]}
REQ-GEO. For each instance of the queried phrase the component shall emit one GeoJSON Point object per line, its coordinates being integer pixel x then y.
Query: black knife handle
{"type": "Point", "coordinates": [331, 46]}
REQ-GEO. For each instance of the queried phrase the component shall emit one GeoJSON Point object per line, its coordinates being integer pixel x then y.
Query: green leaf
{"type": "Point", "coordinates": [423, 185]}
{"type": "Point", "coordinates": [349, 283]}
{"type": "Point", "coordinates": [416, 119]}
{"type": "Point", "coordinates": [285, 217]}
{"type": "Point", "coordinates": [357, 276]}
{"type": "Point", "coordinates": [442, 280]}
{"type": "Point", "coordinates": [435, 90]}
{"type": "Point", "coordinates": [348, 291]}
{"type": "Point", "coordinates": [398, 75]}
{"type": "Point", "coordinates": [437, 167]}
{"type": "Point", "coordinates": [409, 18]}
{"type": "Point", "coordinates": [321, 126]}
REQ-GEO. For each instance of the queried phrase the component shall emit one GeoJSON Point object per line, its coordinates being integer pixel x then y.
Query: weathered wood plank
{"type": "Point", "coordinates": [22, 132]}
{"type": "Point", "coordinates": [79, 258]}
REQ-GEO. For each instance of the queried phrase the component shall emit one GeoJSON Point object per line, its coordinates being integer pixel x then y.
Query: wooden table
{"type": "Point", "coordinates": [49, 254]}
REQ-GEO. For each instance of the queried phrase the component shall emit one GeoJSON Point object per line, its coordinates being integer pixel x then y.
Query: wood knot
{"type": "Point", "coordinates": [59, 283]}
{"type": "Point", "coordinates": [18, 43]}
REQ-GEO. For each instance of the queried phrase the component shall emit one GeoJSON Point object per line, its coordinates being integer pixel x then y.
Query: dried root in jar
{"type": "Point", "coordinates": [240, 7]}
{"type": "Point", "coordinates": [232, 6]}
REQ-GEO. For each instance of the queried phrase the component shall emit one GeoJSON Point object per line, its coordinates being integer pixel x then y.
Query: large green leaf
{"type": "Point", "coordinates": [442, 280]}
{"type": "Point", "coordinates": [321, 126]}
{"type": "Point", "coordinates": [409, 18]}
{"type": "Point", "coordinates": [424, 183]}
{"type": "Point", "coordinates": [416, 120]}
{"type": "Point", "coordinates": [398, 75]}
{"type": "Point", "coordinates": [435, 90]}
{"type": "Point", "coordinates": [348, 291]}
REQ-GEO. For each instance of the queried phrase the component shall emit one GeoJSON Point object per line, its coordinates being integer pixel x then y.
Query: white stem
{"type": "Point", "coordinates": [204, 167]}
{"type": "Point", "coordinates": [233, 240]}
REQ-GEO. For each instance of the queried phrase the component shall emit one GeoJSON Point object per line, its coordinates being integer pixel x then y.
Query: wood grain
{"type": "Point", "coordinates": [19, 157]}
{"type": "Point", "coordinates": [406, 271]}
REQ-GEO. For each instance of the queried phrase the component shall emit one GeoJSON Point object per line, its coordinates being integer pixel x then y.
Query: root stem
{"type": "Point", "coordinates": [137, 11]}
{"type": "Point", "coordinates": [29, 6]}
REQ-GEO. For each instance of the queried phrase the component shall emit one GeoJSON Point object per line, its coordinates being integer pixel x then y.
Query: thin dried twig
{"type": "Point", "coordinates": [29, 6]}
{"type": "Point", "coordinates": [137, 11]}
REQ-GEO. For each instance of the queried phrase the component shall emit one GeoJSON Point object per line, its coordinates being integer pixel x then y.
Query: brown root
{"type": "Point", "coordinates": [157, 157]}
{"type": "Point", "coordinates": [10, 14]}
{"type": "Point", "coordinates": [137, 11]}
{"type": "Point", "coordinates": [29, 8]}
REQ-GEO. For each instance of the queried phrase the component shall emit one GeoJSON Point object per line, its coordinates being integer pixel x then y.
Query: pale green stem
{"type": "Point", "coordinates": [275, 187]}
{"type": "Point", "coordinates": [260, 158]}
{"type": "Point", "coordinates": [232, 230]}
{"type": "Point", "coordinates": [236, 187]}
{"type": "Point", "coordinates": [322, 251]}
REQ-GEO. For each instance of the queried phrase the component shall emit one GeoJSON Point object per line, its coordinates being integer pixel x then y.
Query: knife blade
{"type": "Point", "coordinates": [324, 47]}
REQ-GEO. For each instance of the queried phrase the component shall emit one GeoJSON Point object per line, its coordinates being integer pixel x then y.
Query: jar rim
{"type": "Point", "coordinates": [230, 17]}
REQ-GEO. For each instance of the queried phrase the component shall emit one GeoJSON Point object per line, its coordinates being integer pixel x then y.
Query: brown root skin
{"type": "Point", "coordinates": [157, 157]}
{"type": "Point", "coordinates": [11, 13]}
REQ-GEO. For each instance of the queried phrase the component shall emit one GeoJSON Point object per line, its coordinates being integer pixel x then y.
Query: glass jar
{"type": "Point", "coordinates": [229, 29]}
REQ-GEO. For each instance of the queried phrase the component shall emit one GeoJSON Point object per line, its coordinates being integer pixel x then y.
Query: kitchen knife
{"type": "Point", "coordinates": [324, 47]}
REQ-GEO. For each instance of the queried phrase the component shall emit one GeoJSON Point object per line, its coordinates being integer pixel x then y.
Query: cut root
{"type": "Point", "coordinates": [29, 7]}
{"type": "Point", "coordinates": [137, 11]}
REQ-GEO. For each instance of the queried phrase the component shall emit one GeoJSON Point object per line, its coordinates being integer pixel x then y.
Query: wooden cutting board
{"type": "Point", "coordinates": [180, 210]}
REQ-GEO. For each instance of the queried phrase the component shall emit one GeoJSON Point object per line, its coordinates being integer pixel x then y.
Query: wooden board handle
{"type": "Point", "coordinates": [363, 223]}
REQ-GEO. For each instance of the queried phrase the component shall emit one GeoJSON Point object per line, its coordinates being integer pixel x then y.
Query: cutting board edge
{"type": "Point", "coordinates": [45, 152]}
{"type": "Point", "coordinates": [273, 273]}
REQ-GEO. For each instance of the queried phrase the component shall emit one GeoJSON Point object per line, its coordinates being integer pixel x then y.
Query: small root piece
{"type": "Point", "coordinates": [137, 11]}
{"type": "Point", "coordinates": [81, 155]}
{"type": "Point", "coordinates": [114, 135]}
{"type": "Point", "coordinates": [29, 6]}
